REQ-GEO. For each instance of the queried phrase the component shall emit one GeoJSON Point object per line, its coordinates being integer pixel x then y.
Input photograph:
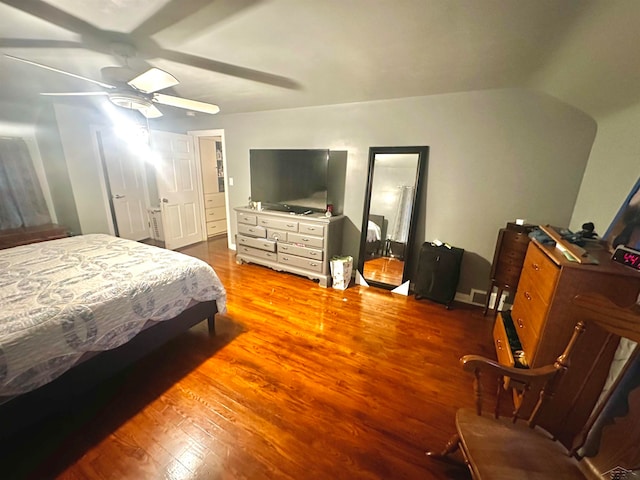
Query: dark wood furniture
{"type": "Point", "coordinates": [25, 235]}
{"type": "Point", "coordinates": [508, 258]}
{"type": "Point", "coordinates": [496, 448]}
{"type": "Point", "coordinates": [543, 320]}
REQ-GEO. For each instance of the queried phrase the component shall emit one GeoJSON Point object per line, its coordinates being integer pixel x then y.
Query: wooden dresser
{"type": "Point", "coordinates": [508, 258]}
{"type": "Point", "coordinates": [23, 236]}
{"type": "Point", "coordinates": [216, 213]}
{"type": "Point", "coordinates": [300, 244]}
{"type": "Point", "coordinates": [543, 319]}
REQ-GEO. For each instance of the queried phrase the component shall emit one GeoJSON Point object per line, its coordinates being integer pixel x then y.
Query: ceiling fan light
{"type": "Point", "coordinates": [153, 80]}
{"type": "Point", "coordinates": [129, 101]}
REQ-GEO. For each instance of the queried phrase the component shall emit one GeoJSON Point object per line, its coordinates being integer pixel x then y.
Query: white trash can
{"type": "Point", "coordinates": [341, 268]}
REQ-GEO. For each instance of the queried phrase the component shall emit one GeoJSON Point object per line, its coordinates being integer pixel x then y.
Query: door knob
{"type": "Point", "coordinates": [164, 200]}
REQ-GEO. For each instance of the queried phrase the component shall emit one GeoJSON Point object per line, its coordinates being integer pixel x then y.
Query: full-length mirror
{"type": "Point", "coordinates": [390, 209]}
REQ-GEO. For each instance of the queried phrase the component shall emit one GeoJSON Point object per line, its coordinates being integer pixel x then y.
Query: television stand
{"type": "Point", "coordinates": [302, 244]}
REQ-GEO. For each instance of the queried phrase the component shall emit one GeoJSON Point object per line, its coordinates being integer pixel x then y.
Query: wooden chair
{"type": "Point", "coordinates": [511, 448]}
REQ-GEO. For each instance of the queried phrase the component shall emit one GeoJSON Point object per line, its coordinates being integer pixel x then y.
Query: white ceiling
{"type": "Point", "coordinates": [334, 51]}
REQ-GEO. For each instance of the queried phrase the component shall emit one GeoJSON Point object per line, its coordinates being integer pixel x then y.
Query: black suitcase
{"type": "Point", "coordinates": [438, 272]}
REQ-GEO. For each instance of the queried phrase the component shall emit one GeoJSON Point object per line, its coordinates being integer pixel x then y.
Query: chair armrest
{"type": "Point", "coordinates": [621, 321]}
{"type": "Point", "coordinates": [471, 363]}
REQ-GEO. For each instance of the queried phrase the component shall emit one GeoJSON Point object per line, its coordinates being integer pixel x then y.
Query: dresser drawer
{"type": "Point", "coordinates": [252, 231]}
{"type": "Point", "coordinates": [507, 273]}
{"type": "Point", "coordinates": [301, 262]}
{"type": "Point", "coordinates": [286, 225]}
{"type": "Point", "coordinates": [262, 244]}
{"type": "Point", "coordinates": [515, 240]}
{"type": "Point", "coordinates": [247, 219]}
{"type": "Point", "coordinates": [215, 213]}
{"type": "Point", "coordinates": [501, 343]}
{"type": "Point", "coordinates": [212, 200]}
{"type": "Point", "coordinates": [306, 240]}
{"type": "Point", "coordinates": [255, 252]}
{"type": "Point", "coordinates": [308, 229]}
{"type": "Point", "coordinates": [539, 273]}
{"type": "Point", "coordinates": [528, 314]}
{"type": "Point", "coordinates": [278, 235]}
{"type": "Point", "coordinates": [300, 251]}
{"type": "Point", "coordinates": [217, 227]}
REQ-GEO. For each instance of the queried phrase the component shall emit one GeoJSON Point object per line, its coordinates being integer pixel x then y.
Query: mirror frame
{"type": "Point", "coordinates": [423, 153]}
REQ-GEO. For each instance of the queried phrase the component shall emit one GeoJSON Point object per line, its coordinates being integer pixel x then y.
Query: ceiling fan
{"type": "Point", "coordinates": [139, 93]}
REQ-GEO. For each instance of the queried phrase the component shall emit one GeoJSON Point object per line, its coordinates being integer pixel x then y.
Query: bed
{"type": "Point", "coordinates": [375, 235]}
{"type": "Point", "coordinates": [75, 310]}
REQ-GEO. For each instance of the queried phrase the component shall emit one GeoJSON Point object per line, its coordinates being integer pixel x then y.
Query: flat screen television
{"type": "Point", "coordinates": [290, 180]}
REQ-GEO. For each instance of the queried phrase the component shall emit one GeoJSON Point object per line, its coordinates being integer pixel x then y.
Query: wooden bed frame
{"type": "Point", "coordinates": [29, 408]}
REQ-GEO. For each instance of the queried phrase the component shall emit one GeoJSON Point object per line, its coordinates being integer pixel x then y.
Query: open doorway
{"type": "Point", "coordinates": [210, 148]}
{"type": "Point", "coordinates": [125, 186]}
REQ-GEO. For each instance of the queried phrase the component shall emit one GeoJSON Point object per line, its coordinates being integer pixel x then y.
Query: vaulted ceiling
{"type": "Point", "coordinates": [250, 55]}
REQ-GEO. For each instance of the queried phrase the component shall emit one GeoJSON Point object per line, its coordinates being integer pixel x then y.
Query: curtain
{"type": "Point", "coordinates": [400, 232]}
{"type": "Point", "coordinates": [22, 203]}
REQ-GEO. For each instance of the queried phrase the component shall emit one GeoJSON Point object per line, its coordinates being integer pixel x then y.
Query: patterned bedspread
{"type": "Point", "coordinates": [63, 298]}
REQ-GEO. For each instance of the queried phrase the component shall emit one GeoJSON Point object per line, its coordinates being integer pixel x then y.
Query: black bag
{"type": "Point", "coordinates": [438, 272]}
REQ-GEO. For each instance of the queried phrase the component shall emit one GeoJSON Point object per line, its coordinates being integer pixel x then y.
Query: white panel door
{"type": "Point", "coordinates": [126, 185]}
{"type": "Point", "coordinates": [177, 186]}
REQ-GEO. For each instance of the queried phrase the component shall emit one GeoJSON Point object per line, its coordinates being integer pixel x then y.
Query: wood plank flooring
{"type": "Point", "coordinates": [300, 382]}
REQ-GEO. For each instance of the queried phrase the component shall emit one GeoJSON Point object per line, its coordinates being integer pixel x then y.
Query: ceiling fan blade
{"type": "Point", "coordinates": [171, 13]}
{"type": "Point", "coordinates": [153, 80]}
{"type": "Point", "coordinates": [178, 20]}
{"type": "Point", "coordinates": [29, 43]}
{"type": "Point", "coordinates": [186, 103]}
{"type": "Point", "coordinates": [51, 14]}
{"type": "Point", "coordinates": [150, 112]}
{"type": "Point", "coordinates": [74, 94]}
{"type": "Point", "coordinates": [228, 69]}
{"type": "Point", "coordinates": [105, 85]}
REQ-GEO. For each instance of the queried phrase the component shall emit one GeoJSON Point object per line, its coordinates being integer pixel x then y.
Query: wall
{"type": "Point", "coordinates": [55, 167]}
{"type": "Point", "coordinates": [613, 169]}
{"type": "Point", "coordinates": [495, 156]}
{"type": "Point", "coordinates": [17, 121]}
{"type": "Point", "coordinates": [74, 126]}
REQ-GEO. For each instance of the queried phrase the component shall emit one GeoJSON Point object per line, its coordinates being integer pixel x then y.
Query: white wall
{"type": "Point", "coordinates": [17, 121]}
{"type": "Point", "coordinates": [613, 169]}
{"type": "Point", "coordinates": [495, 156]}
{"type": "Point", "coordinates": [74, 126]}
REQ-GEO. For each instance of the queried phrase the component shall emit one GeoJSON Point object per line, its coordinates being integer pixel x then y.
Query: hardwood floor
{"type": "Point", "coordinates": [300, 382]}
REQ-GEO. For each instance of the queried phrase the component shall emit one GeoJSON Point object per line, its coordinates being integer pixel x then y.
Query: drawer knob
{"type": "Point", "coordinates": [536, 266]}
{"type": "Point", "coordinates": [290, 225]}
{"type": "Point", "coordinates": [519, 322]}
{"type": "Point", "coordinates": [313, 264]}
{"type": "Point", "coordinates": [305, 239]}
{"type": "Point", "coordinates": [527, 295]}
{"type": "Point", "coordinates": [499, 344]}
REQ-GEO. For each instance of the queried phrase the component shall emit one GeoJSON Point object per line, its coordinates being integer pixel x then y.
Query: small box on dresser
{"type": "Point", "coordinates": [300, 244]}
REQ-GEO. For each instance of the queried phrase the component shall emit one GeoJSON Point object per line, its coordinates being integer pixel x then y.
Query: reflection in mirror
{"type": "Point", "coordinates": [390, 207]}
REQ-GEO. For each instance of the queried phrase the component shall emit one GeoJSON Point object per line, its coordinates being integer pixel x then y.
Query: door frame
{"type": "Point", "coordinates": [196, 140]}
{"type": "Point", "coordinates": [104, 181]}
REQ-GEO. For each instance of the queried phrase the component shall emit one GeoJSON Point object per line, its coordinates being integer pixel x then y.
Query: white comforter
{"type": "Point", "coordinates": [63, 298]}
